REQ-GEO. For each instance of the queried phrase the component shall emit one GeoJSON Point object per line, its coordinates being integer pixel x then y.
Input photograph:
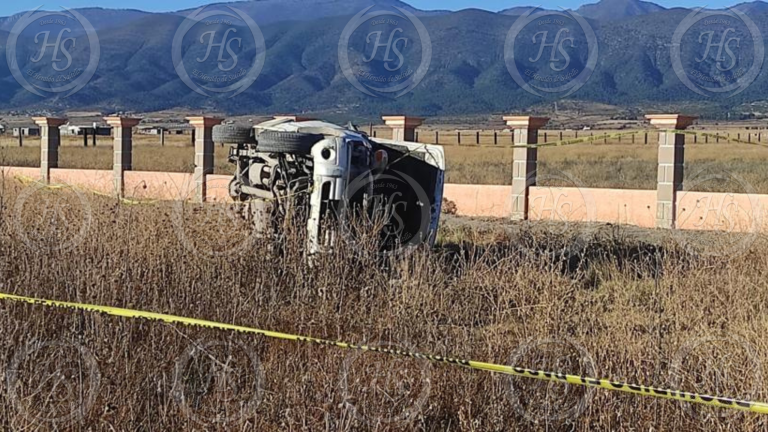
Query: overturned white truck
{"type": "Point", "coordinates": [330, 173]}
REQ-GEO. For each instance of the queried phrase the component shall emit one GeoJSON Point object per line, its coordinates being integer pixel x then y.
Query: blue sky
{"type": "Point", "coordinates": [8, 7]}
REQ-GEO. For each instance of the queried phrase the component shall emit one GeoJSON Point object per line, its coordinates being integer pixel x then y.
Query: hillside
{"type": "Point", "coordinates": [467, 74]}
{"type": "Point", "coordinates": [617, 9]}
{"type": "Point", "coordinates": [272, 11]}
{"type": "Point", "coordinates": [100, 18]}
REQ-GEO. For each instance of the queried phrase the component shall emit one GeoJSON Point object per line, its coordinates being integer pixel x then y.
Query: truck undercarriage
{"type": "Point", "coordinates": [329, 175]}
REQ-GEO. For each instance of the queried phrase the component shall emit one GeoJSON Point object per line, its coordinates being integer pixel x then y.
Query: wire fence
{"type": "Point", "coordinates": [465, 137]}
{"type": "Point", "coordinates": [505, 137]}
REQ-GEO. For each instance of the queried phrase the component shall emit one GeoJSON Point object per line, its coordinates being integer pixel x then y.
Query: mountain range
{"type": "Point", "coordinates": [301, 72]}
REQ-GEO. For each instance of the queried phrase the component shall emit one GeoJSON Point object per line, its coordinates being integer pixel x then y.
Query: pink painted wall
{"type": "Point", "coordinates": [174, 186]}
{"type": "Point", "coordinates": [618, 206]}
{"type": "Point", "coordinates": [722, 211]}
{"type": "Point", "coordinates": [480, 200]}
{"type": "Point", "coordinates": [159, 185]}
{"type": "Point", "coordinates": [138, 184]}
{"type": "Point", "coordinates": [218, 188]}
{"type": "Point", "coordinates": [10, 172]}
{"type": "Point", "coordinates": [95, 180]}
{"type": "Point", "coordinates": [696, 210]}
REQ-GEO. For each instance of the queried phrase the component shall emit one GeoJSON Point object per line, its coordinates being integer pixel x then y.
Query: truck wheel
{"type": "Point", "coordinates": [287, 142]}
{"type": "Point", "coordinates": [235, 192]}
{"type": "Point", "coordinates": [232, 134]}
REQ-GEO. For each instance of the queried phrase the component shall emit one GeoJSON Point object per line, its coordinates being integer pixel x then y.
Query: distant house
{"type": "Point", "coordinates": [168, 128]}
{"type": "Point", "coordinates": [79, 129]}
{"type": "Point", "coordinates": [26, 131]}
{"type": "Point", "coordinates": [150, 130]}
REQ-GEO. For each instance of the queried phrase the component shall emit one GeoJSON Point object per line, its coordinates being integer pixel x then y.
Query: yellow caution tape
{"type": "Point", "coordinates": [716, 401]}
{"type": "Point", "coordinates": [573, 141]}
{"type": "Point", "coordinates": [27, 180]}
{"type": "Point", "coordinates": [715, 136]}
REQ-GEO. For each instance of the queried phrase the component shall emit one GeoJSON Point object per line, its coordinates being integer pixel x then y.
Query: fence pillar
{"type": "Point", "coordinates": [403, 127]}
{"type": "Point", "coordinates": [50, 139]}
{"type": "Point", "coordinates": [671, 163]}
{"type": "Point", "coordinates": [526, 131]}
{"type": "Point", "coordinates": [122, 147]}
{"type": "Point", "coordinates": [203, 152]}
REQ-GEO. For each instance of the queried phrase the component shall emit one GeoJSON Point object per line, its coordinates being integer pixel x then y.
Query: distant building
{"type": "Point", "coordinates": [26, 131]}
{"type": "Point", "coordinates": [150, 130]}
{"type": "Point", "coordinates": [79, 129]}
{"type": "Point", "coordinates": [168, 128]}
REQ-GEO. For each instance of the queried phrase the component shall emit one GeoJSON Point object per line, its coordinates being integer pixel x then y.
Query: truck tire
{"type": "Point", "coordinates": [232, 134]}
{"type": "Point", "coordinates": [287, 142]}
{"type": "Point", "coordinates": [235, 192]}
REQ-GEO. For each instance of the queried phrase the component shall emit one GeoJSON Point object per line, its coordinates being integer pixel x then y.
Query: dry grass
{"type": "Point", "coordinates": [620, 304]}
{"type": "Point", "coordinates": [709, 167]}
{"type": "Point", "coordinates": [616, 166]}
{"type": "Point", "coordinates": [176, 156]}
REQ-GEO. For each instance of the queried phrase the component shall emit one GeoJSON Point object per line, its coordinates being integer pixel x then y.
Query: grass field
{"type": "Point", "coordinates": [626, 304]}
{"type": "Point", "coordinates": [709, 167]}
{"type": "Point", "coordinates": [724, 167]}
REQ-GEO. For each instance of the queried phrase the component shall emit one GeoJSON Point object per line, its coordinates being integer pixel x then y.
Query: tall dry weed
{"type": "Point", "coordinates": [626, 304]}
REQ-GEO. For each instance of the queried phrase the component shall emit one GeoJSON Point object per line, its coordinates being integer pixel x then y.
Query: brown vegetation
{"type": "Point", "coordinates": [176, 156]}
{"type": "Point", "coordinates": [710, 167]}
{"type": "Point", "coordinates": [617, 166]}
{"type": "Point", "coordinates": [629, 305]}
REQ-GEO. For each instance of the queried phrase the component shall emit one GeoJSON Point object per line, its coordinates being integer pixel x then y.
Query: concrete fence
{"type": "Point", "coordinates": [504, 137]}
{"type": "Point", "coordinates": [669, 206]}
